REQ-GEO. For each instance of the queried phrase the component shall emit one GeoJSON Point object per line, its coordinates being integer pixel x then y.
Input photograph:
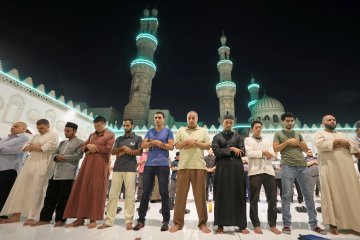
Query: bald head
{"type": "Point", "coordinates": [326, 117]}
{"type": "Point", "coordinates": [192, 113]}
{"type": "Point", "coordinates": [18, 127]}
{"type": "Point", "coordinates": [192, 119]}
{"type": "Point", "coordinates": [329, 122]}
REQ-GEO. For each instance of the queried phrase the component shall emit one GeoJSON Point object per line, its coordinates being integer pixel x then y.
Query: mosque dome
{"type": "Point", "coordinates": [267, 104]}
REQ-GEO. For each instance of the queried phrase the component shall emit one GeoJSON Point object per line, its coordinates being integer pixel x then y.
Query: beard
{"type": "Point", "coordinates": [331, 127]}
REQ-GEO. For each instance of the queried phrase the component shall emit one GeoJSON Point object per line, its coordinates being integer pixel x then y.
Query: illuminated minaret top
{"type": "Point", "coordinates": [225, 89]}
{"type": "Point", "coordinates": [143, 69]}
{"type": "Point", "coordinates": [254, 92]}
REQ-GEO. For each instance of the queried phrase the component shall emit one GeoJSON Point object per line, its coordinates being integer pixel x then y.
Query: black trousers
{"type": "Point", "coordinates": [298, 190]}
{"type": "Point", "coordinates": [7, 179]}
{"type": "Point", "coordinates": [57, 195]}
{"type": "Point", "coordinates": [209, 182]}
{"type": "Point", "coordinates": [163, 174]}
{"type": "Point", "coordinates": [268, 181]}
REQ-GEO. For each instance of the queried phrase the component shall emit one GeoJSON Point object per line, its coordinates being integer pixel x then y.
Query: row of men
{"type": "Point", "coordinates": [335, 152]}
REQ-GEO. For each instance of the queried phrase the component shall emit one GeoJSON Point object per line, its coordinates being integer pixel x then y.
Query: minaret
{"type": "Point", "coordinates": [143, 69]}
{"type": "Point", "coordinates": [225, 89]}
{"type": "Point", "coordinates": [254, 92]}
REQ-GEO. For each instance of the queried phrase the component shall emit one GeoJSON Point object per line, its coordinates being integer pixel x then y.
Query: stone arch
{"type": "Point", "coordinates": [14, 109]}
{"type": "Point", "coordinates": [275, 118]}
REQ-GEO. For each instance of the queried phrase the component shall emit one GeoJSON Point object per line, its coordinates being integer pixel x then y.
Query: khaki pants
{"type": "Point", "coordinates": [197, 178]}
{"type": "Point", "coordinates": [129, 179]}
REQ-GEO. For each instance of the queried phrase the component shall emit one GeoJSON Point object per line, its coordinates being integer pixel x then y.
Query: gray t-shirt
{"type": "Point", "coordinates": [290, 155]}
{"type": "Point", "coordinates": [313, 169]}
{"type": "Point", "coordinates": [127, 163]}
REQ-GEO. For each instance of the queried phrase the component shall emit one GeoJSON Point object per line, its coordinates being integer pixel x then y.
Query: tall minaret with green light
{"type": "Point", "coordinates": [225, 89]}
{"type": "Point", "coordinates": [254, 92]}
{"type": "Point", "coordinates": [143, 69]}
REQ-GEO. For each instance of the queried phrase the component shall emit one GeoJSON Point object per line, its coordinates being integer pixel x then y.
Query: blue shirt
{"type": "Point", "coordinates": [156, 155]}
{"type": "Point", "coordinates": [11, 154]}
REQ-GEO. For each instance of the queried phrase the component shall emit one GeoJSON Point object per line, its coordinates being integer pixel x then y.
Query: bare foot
{"type": "Point", "coordinates": [102, 226]}
{"type": "Point", "coordinates": [205, 229]}
{"type": "Point", "coordinates": [334, 230]}
{"type": "Point", "coordinates": [258, 230]}
{"type": "Point", "coordinates": [29, 222]}
{"type": "Point", "coordinates": [129, 226]}
{"type": "Point", "coordinates": [59, 224]}
{"type": "Point", "coordinates": [76, 223]}
{"type": "Point", "coordinates": [14, 218]}
{"type": "Point", "coordinates": [244, 231]}
{"type": "Point", "coordinates": [220, 230]}
{"type": "Point", "coordinates": [275, 230]}
{"type": "Point", "coordinates": [174, 228]}
{"type": "Point", "coordinates": [39, 223]}
{"type": "Point", "coordinates": [91, 225]}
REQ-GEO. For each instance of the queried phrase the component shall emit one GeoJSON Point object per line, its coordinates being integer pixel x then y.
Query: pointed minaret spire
{"type": "Point", "coordinates": [143, 69]}
{"type": "Point", "coordinates": [225, 89]}
{"type": "Point", "coordinates": [254, 91]}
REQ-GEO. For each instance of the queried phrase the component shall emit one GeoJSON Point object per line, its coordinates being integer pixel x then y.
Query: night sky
{"type": "Point", "coordinates": [305, 55]}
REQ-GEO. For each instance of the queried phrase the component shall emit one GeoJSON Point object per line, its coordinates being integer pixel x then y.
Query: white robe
{"type": "Point", "coordinates": [27, 194]}
{"type": "Point", "coordinates": [340, 186]}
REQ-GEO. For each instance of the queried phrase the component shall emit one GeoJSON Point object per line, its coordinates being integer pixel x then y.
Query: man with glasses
{"type": "Point", "coordinates": [159, 141]}
{"type": "Point", "coordinates": [291, 144]}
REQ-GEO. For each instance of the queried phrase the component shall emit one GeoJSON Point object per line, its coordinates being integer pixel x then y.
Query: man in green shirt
{"type": "Point", "coordinates": [192, 140]}
{"type": "Point", "coordinates": [291, 144]}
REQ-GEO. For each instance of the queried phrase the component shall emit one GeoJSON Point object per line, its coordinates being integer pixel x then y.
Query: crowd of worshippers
{"type": "Point", "coordinates": [38, 175]}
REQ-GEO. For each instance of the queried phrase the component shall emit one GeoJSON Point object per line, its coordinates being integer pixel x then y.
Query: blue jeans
{"type": "Point", "coordinates": [288, 176]}
{"type": "Point", "coordinates": [163, 174]}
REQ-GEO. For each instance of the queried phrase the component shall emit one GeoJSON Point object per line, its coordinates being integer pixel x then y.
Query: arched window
{"type": "Point", "coordinates": [266, 118]}
{"type": "Point", "coordinates": [275, 118]}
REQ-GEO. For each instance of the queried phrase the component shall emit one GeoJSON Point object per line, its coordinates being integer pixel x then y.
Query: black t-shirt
{"type": "Point", "coordinates": [127, 163]}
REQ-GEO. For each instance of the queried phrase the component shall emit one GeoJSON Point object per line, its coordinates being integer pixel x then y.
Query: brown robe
{"type": "Point", "coordinates": [88, 195]}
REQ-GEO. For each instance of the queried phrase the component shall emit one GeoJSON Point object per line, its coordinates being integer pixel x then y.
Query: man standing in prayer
{"type": "Point", "coordinates": [230, 182]}
{"type": "Point", "coordinates": [313, 165]}
{"type": "Point", "coordinates": [340, 189]}
{"type": "Point", "coordinates": [27, 195]}
{"type": "Point", "coordinates": [291, 144]}
{"type": "Point", "coordinates": [210, 169]}
{"type": "Point", "coordinates": [11, 159]}
{"type": "Point", "coordinates": [126, 148]}
{"type": "Point", "coordinates": [261, 173]}
{"type": "Point", "coordinates": [159, 141]}
{"type": "Point", "coordinates": [141, 165]}
{"type": "Point", "coordinates": [66, 157]}
{"type": "Point", "coordinates": [192, 140]}
{"type": "Point", "coordinates": [88, 195]}
{"type": "Point", "coordinates": [174, 169]}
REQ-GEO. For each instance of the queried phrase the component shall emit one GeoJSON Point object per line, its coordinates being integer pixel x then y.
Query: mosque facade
{"type": "Point", "coordinates": [23, 100]}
